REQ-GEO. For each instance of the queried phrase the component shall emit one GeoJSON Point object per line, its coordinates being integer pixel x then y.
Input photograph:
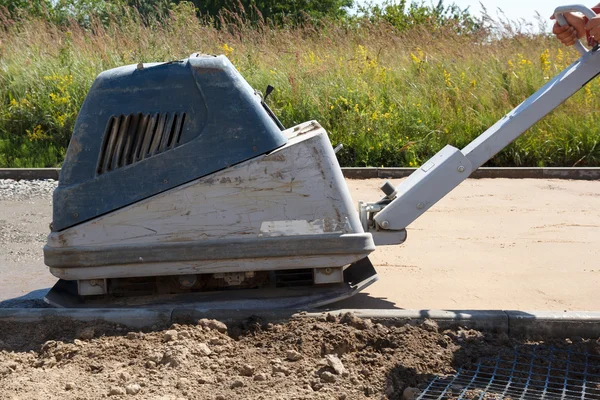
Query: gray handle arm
{"type": "Point", "coordinates": [562, 21]}
{"type": "Point", "coordinates": [449, 167]}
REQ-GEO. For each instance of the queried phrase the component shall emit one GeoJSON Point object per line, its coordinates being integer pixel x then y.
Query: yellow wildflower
{"type": "Point", "coordinates": [545, 60]}
{"type": "Point", "coordinates": [37, 134]}
{"type": "Point", "coordinates": [419, 57]}
{"type": "Point", "coordinates": [560, 57]}
{"type": "Point", "coordinates": [447, 79]}
{"type": "Point", "coordinates": [61, 119]}
{"type": "Point", "coordinates": [227, 50]}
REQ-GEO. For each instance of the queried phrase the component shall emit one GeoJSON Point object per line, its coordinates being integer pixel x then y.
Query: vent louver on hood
{"type": "Point", "coordinates": [135, 137]}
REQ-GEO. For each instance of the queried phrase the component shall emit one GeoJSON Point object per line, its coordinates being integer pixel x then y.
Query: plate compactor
{"type": "Point", "coordinates": [181, 186]}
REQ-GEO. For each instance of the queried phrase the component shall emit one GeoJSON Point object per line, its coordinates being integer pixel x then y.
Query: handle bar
{"type": "Point", "coordinates": [562, 21]}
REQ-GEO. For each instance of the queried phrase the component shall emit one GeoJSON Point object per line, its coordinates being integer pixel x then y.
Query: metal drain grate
{"type": "Point", "coordinates": [530, 372]}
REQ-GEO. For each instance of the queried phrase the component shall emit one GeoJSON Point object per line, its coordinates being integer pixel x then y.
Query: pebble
{"type": "Point", "coordinates": [182, 383]}
{"type": "Point", "coordinates": [327, 376]}
{"type": "Point", "coordinates": [203, 348]}
{"type": "Point", "coordinates": [247, 370]}
{"type": "Point", "coordinates": [69, 386]}
{"type": "Point", "coordinates": [213, 324]}
{"type": "Point", "coordinates": [281, 368]}
{"type": "Point", "coordinates": [293, 355]}
{"type": "Point", "coordinates": [358, 323]}
{"type": "Point", "coordinates": [335, 363]}
{"type": "Point", "coordinates": [124, 376]}
{"type": "Point", "coordinates": [205, 379]}
{"type": "Point", "coordinates": [86, 334]}
{"type": "Point", "coordinates": [116, 391]}
{"type": "Point", "coordinates": [134, 335]}
{"type": "Point", "coordinates": [50, 344]}
{"type": "Point", "coordinates": [429, 325]}
{"type": "Point", "coordinates": [155, 357]}
{"type": "Point", "coordinates": [236, 384]}
{"type": "Point", "coordinates": [169, 336]}
{"type": "Point", "coordinates": [260, 377]}
{"type": "Point", "coordinates": [133, 388]}
{"type": "Point", "coordinates": [217, 341]}
{"type": "Point", "coordinates": [171, 358]}
{"type": "Point", "coordinates": [184, 334]}
{"type": "Point", "coordinates": [411, 393]}
{"type": "Point", "coordinates": [316, 386]}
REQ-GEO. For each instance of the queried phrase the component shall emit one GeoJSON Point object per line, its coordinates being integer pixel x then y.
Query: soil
{"type": "Point", "coordinates": [305, 358]}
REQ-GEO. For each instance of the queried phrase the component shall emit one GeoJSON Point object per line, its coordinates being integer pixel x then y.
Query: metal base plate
{"type": "Point", "coordinates": [357, 277]}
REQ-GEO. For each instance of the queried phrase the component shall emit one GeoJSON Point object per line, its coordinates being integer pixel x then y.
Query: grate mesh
{"type": "Point", "coordinates": [530, 372]}
{"type": "Point", "coordinates": [131, 138]}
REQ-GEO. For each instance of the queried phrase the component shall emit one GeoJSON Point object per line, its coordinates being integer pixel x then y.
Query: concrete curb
{"type": "Point", "coordinates": [18, 174]}
{"type": "Point", "coordinates": [134, 318]}
{"type": "Point", "coordinates": [371, 173]}
{"type": "Point", "coordinates": [483, 173]}
{"type": "Point", "coordinates": [545, 324]}
{"type": "Point", "coordinates": [554, 324]}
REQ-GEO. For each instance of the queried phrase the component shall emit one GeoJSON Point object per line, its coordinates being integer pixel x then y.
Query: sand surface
{"type": "Point", "coordinates": [490, 244]}
{"type": "Point", "coordinates": [496, 244]}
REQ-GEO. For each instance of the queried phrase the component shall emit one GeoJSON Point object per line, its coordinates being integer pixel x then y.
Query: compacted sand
{"type": "Point", "coordinates": [491, 244]}
{"type": "Point", "coordinates": [497, 244]}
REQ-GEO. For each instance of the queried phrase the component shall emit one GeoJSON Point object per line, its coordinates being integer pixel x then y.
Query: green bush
{"type": "Point", "coordinates": [393, 95]}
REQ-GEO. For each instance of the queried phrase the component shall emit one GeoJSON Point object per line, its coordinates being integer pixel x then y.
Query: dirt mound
{"type": "Point", "coordinates": [305, 358]}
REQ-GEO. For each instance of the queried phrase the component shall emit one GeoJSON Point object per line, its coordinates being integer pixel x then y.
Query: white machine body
{"type": "Point", "coordinates": [289, 209]}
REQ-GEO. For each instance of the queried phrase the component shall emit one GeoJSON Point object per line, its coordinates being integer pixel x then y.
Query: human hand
{"type": "Point", "coordinates": [593, 27]}
{"type": "Point", "coordinates": [575, 29]}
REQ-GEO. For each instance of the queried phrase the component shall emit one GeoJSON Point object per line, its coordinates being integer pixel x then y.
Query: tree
{"type": "Point", "coordinates": [277, 9]}
{"type": "Point", "coordinates": [27, 7]}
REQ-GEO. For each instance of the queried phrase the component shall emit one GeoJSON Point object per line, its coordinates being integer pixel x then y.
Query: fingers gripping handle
{"type": "Point", "coordinates": [562, 21]}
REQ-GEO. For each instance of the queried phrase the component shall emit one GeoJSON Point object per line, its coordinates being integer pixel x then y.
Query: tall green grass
{"type": "Point", "coordinates": [392, 98]}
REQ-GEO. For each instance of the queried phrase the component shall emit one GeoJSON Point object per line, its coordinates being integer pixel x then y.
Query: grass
{"type": "Point", "coordinates": [392, 99]}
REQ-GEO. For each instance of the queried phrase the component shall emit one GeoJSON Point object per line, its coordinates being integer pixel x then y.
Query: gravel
{"type": "Point", "coordinates": [26, 190]}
